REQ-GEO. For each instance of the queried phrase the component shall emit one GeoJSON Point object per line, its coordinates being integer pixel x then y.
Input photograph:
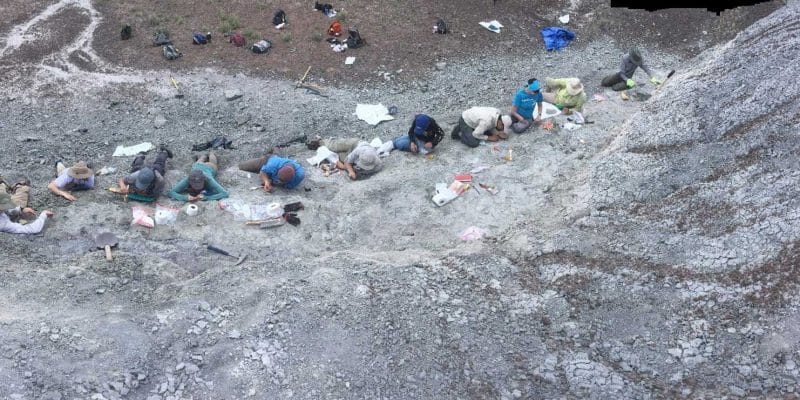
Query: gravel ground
{"type": "Point", "coordinates": [648, 255]}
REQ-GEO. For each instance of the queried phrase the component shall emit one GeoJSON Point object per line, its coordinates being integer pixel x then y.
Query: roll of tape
{"type": "Point", "coordinates": [275, 210]}
{"type": "Point", "coordinates": [191, 210]}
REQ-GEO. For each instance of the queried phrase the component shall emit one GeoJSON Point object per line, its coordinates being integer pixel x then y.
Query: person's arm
{"type": "Point", "coordinates": [539, 113]}
{"type": "Point", "coordinates": [177, 190]}
{"type": "Point", "coordinates": [483, 126]}
{"type": "Point", "coordinates": [34, 227]}
{"type": "Point", "coordinates": [351, 172]}
{"type": "Point", "coordinates": [123, 186]}
{"type": "Point", "coordinates": [623, 67]}
{"type": "Point", "coordinates": [515, 114]}
{"type": "Point", "coordinates": [265, 181]}
{"type": "Point", "coordinates": [63, 193]}
{"type": "Point", "coordinates": [216, 188]}
{"type": "Point", "coordinates": [646, 70]}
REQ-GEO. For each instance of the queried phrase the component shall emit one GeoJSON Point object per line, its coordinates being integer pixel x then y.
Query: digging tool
{"type": "Point", "coordinates": [300, 82]}
{"type": "Point", "coordinates": [106, 240]}
{"type": "Point", "coordinates": [117, 190]}
{"type": "Point", "coordinates": [239, 259]}
{"type": "Point", "coordinates": [669, 75]}
{"type": "Point", "coordinates": [179, 93]}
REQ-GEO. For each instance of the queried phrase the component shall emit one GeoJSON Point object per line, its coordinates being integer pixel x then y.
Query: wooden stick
{"type": "Point", "coordinates": [304, 77]}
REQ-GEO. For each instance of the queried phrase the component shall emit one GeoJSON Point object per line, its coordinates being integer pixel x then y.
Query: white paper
{"type": "Point", "coordinates": [564, 19]}
{"type": "Point", "coordinates": [373, 114]}
{"type": "Point", "coordinates": [122, 151]}
{"type": "Point", "coordinates": [492, 25]}
{"type": "Point", "coordinates": [349, 60]}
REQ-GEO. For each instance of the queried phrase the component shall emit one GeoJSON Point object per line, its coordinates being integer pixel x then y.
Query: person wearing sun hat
{"type": "Point", "coordinates": [77, 177]}
{"type": "Point", "coordinates": [623, 79]}
{"type": "Point", "coordinates": [7, 206]}
{"type": "Point", "coordinates": [565, 93]}
{"type": "Point", "coordinates": [355, 156]}
{"type": "Point", "coordinates": [525, 100]}
{"type": "Point", "coordinates": [481, 123]}
{"type": "Point", "coordinates": [201, 184]}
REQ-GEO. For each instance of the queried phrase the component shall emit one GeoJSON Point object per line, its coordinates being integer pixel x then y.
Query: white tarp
{"type": "Point", "coordinates": [122, 151]}
{"type": "Point", "coordinates": [493, 25]}
{"type": "Point", "coordinates": [373, 114]}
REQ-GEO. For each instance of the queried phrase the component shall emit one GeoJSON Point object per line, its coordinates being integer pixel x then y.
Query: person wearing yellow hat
{"type": "Point", "coordinates": [76, 177]}
{"type": "Point", "coordinates": [565, 93]}
{"type": "Point", "coordinates": [623, 79]}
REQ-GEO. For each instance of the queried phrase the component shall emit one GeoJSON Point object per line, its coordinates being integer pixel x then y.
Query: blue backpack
{"type": "Point", "coordinates": [200, 38]}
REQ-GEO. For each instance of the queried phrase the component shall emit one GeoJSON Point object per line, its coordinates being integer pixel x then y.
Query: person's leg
{"type": "Point", "coordinates": [520, 126]}
{"type": "Point", "coordinates": [20, 195]}
{"type": "Point", "coordinates": [465, 134]}
{"type": "Point", "coordinates": [402, 143]}
{"type": "Point", "coordinates": [60, 167]}
{"type": "Point", "coordinates": [160, 164]}
{"type": "Point", "coordinates": [213, 162]}
{"type": "Point", "coordinates": [611, 80]}
{"type": "Point", "coordinates": [202, 159]}
{"type": "Point", "coordinates": [253, 165]}
{"type": "Point", "coordinates": [620, 86]}
{"type": "Point", "coordinates": [341, 147]}
{"type": "Point", "coordinates": [549, 97]}
{"type": "Point", "coordinates": [138, 162]}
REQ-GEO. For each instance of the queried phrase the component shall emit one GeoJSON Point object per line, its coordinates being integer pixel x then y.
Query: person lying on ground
{"type": "Point", "coordinates": [481, 123]}
{"type": "Point", "coordinates": [76, 177]}
{"type": "Point", "coordinates": [14, 209]}
{"type": "Point", "coordinates": [522, 107]}
{"type": "Point", "coordinates": [623, 79]}
{"type": "Point", "coordinates": [355, 156]}
{"type": "Point", "coordinates": [275, 171]}
{"type": "Point", "coordinates": [201, 184]}
{"type": "Point", "coordinates": [146, 182]}
{"type": "Point", "coordinates": [565, 93]}
{"type": "Point", "coordinates": [423, 135]}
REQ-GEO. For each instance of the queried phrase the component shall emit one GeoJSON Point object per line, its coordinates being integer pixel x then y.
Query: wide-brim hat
{"type": "Point", "coordinates": [574, 87]}
{"type": "Point", "coordinates": [368, 161]}
{"type": "Point", "coordinates": [144, 178]}
{"type": "Point", "coordinates": [5, 202]}
{"type": "Point", "coordinates": [80, 171]}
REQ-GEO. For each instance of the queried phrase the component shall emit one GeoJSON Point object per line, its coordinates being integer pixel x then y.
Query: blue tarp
{"type": "Point", "coordinates": [556, 38]}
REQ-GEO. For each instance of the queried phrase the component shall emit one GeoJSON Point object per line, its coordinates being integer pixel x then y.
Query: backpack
{"type": "Point", "coordinates": [161, 38]}
{"type": "Point", "coordinates": [440, 26]}
{"type": "Point", "coordinates": [237, 39]}
{"type": "Point", "coordinates": [354, 41]}
{"type": "Point", "coordinates": [335, 29]}
{"type": "Point", "coordinates": [200, 38]}
{"type": "Point", "coordinates": [126, 33]}
{"type": "Point", "coordinates": [261, 47]}
{"type": "Point", "coordinates": [279, 18]}
{"type": "Point", "coordinates": [170, 52]}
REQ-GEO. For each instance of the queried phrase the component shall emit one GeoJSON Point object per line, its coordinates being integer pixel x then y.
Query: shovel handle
{"type": "Point", "coordinates": [108, 253]}
{"type": "Point", "coordinates": [218, 250]}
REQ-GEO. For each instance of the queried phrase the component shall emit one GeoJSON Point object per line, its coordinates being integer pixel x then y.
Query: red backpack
{"type": "Point", "coordinates": [335, 29]}
{"type": "Point", "coordinates": [237, 39]}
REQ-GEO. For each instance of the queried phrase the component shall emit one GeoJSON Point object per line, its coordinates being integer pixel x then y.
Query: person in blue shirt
{"type": "Point", "coordinates": [279, 171]}
{"type": "Point", "coordinates": [201, 184]}
{"type": "Point", "coordinates": [522, 108]}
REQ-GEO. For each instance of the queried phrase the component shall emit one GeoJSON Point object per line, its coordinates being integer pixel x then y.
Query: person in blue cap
{"type": "Point", "coordinates": [526, 98]}
{"type": "Point", "coordinates": [423, 135]}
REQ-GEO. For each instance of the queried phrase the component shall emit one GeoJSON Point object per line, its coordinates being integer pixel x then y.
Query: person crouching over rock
{"type": "Point", "coordinates": [565, 93]}
{"type": "Point", "coordinates": [481, 123]}
{"type": "Point", "coordinates": [423, 135]}
{"type": "Point", "coordinates": [201, 184]}
{"type": "Point", "coordinates": [623, 79]}
{"type": "Point", "coordinates": [526, 98]}
{"type": "Point", "coordinates": [76, 177]}
{"type": "Point", "coordinates": [145, 183]}
{"type": "Point", "coordinates": [355, 156]}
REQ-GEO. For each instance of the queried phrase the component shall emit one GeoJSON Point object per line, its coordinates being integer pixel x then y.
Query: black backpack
{"type": "Point", "coordinates": [440, 26]}
{"type": "Point", "coordinates": [261, 47]}
{"type": "Point", "coordinates": [161, 38]}
{"type": "Point", "coordinates": [170, 52]}
{"type": "Point", "coordinates": [354, 41]}
{"type": "Point", "coordinates": [126, 33]}
{"type": "Point", "coordinates": [279, 18]}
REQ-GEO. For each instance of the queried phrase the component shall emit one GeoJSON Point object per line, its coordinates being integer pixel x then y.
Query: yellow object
{"type": "Point", "coordinates": [624, 96]}
{"type": "Point", "coordinates": [429, 156]}
{"type": "Point", "coordinates": [508, 156]}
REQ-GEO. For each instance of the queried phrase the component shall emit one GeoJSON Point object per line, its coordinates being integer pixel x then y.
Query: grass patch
{"type": "Point", "coordinates": [154, 20]}
{"type": "Point", "coordinates": [286, 37]}
{"type": "Point", "coordinates": [250, 35]}
{"type": "Point", "coordinates": [228, 23]}
{"type": "Point", "coordinates": [341, 16]}
{"type": "Point", "coordinates": [316, 37]}
{"type": "Point", "coordinates": [180, 20]}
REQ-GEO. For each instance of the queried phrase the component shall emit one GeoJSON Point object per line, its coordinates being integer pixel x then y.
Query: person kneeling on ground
{"type": "Point", "coordinates": [145, 183]}
{"type": "Point", "coordinates": [76, 177]}
{"type": "Point", "coordinates": [275, 171]}
{"type": "Point", "coordinates": [565, 93]}
{"type": "Point", "coordinates": [479, 123]}
{"type": "Point", "coordinates": [201, 184]}
{"type": "Point", "coordinates": [623, 79]}
{"type": "Point", "coordinates": [14, 208]}
{"type": "Point", "coordinates": [355, 156]}
{"type": "Point", "coordinates": [423, 135]}
{"type": "Point", "coordinates": [523, 104]}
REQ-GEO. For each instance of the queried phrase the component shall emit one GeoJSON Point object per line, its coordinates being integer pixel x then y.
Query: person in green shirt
{"type": "Point", "coordinates": [565, 93]}
{"type": "Point", "coordinates": [201, 184]}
